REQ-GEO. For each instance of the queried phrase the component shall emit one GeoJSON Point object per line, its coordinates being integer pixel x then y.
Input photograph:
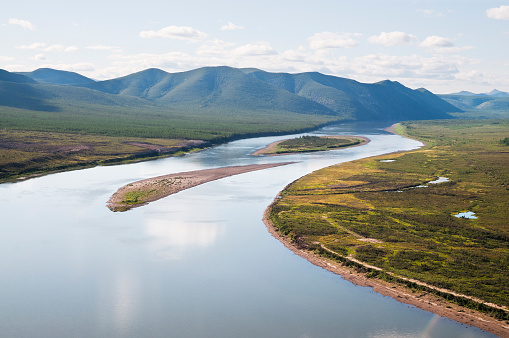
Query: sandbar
{"type": "Point", "coordinates": [142, 192]}
{"type": "Point", "coordinates": [269, 150]}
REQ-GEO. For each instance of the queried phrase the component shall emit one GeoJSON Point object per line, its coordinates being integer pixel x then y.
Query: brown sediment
{"type": "Point", "coordinates": [420, 299]}
{"type": "Point", "coordinates": [152, 189]}
{"type": "Point", "coordinates": [269, 150]}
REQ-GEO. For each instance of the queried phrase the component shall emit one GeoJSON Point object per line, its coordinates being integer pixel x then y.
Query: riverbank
{"type": "Point", "coordinates": [422, 300]}
{"type": "Point", "coordinates": [142, 192]}
{"type": "Point", "coordinates": [415, 228]}
{"type": "Point", "coordinates": [270, 150]}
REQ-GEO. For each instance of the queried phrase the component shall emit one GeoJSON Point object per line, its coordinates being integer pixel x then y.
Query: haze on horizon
{"type": "Point", "coordinates": [444, 46]}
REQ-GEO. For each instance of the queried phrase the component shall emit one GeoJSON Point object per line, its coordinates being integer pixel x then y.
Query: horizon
{"type": "Point", "coordinates": [443, 46]}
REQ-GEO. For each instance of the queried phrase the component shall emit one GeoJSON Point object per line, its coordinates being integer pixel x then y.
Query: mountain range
{"type": "Point", "coordinates": [219, 94]}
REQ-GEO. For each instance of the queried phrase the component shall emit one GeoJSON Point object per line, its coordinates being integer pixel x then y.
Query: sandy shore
{"type": "Point", "coordinates": [268, 150]}
{"type": "Point", "coordinates": [152, 189]}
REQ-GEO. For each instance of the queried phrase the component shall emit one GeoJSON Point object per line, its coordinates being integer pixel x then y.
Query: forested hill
{"type": "Point", "coordinates": [209, 102]}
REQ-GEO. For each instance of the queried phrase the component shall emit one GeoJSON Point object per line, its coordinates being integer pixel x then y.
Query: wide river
{"type": "Point", "coordinates": [199, 263]}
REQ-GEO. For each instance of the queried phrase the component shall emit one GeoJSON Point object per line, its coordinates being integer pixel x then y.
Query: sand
{"type": "Point", "coordinates": [159, 187]}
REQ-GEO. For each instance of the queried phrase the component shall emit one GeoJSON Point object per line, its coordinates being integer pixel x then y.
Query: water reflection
{"type": "Point", "coordinates": [170, 240]}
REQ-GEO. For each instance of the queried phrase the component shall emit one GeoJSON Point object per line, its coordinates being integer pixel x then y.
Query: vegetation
{"type": "Point", "coordinates": [386, 214]}
{"type": "Point", "coordinates": [314, 143]}
{"type": "Point", "coordinates": [25, 153]}
{"type": "Point", "coordinates": [479, 106]}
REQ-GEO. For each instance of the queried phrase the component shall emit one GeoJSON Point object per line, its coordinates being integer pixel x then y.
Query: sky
{"type": "Point", "coordinates": [445, 46]}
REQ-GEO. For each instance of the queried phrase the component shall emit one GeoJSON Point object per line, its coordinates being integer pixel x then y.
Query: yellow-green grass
{"type": "Point", "coordinates": [26, 153]}
{"type": "Point", "coordinates": [371, 211]}
{"type": "Point", "coordinates": [313, 143]}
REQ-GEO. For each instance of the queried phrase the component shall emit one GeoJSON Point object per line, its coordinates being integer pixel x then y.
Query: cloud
{"type": "Point", "coordinates": [175, 32]}
{"type": "Point", "coordinates": [431, 12]}
{"type": "Point", "coordinates": [51, 48]}
{"type": "Point", "coordinates": [105, 48]}
{"type": "Point", "coordinates": [438, 44]}
{"type": "Point", "coordinates": [500, 13]}
{"type": "Point", "coordinates": [437, 41]}
{"type": "Point", "coordinates": [230, 27]}
{"type": "Point", "coordinates": [393, 39]}
{"type": "Point", "coordinates": [6, 58]}
{"type": "Point", "coordinates": [23, 24]}
{"type": "Point", "coordinates": [71, 49]}
{"type": "Point", "coordinates": [40, 57]}
{"type": "Point", "coordinates": [329, 40]}
{"type": "Point", "coordinates": [214, 47]}
{"type": "Point", "coordinates": [260, 48]}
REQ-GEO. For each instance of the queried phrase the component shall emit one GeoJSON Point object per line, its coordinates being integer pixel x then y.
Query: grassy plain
{"type": "Point", "coordinates": [372, 212]}
{"type": "Point", "coordinates": [314, 143]}
{"type": "Point", "coordinates": [24, 153]}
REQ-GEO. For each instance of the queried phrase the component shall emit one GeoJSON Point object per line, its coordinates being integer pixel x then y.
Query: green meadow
{"type": "Point", "coordinates": [383, 211]}
{"type": "Point", "coordinates": [314, 143]}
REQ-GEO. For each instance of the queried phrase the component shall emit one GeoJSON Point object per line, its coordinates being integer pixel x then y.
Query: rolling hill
{"type": "Point", "coordinates": [58, 77]}
{"type": "Point", "coordinates": [206, 103]}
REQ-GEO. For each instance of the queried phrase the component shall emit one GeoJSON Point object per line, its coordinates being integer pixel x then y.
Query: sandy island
{"type": "Point", "coordinates": [269, 150]}
{"type": "Point", "coordinates": [151, 189]}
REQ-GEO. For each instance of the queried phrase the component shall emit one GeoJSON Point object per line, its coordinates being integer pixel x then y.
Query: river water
{"type": "Point", "coordinates": [199, 263]}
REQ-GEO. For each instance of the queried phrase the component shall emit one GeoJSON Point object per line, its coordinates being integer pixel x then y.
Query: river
{"type": "Point", "coordinates": [199, 263]}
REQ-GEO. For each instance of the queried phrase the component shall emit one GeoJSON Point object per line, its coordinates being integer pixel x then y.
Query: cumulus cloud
{"type": "Point", "coordinates": [392, 39]}
{"type": "Point", "coordinates": [175, 32]}
{"type": "Point", "coordinates": [500, 13]}
{"type": "Point", "coordinates": [329, 40]}
{"type": "Point", "coordinates": [438, 44]}
{"type": "Point", "coordinates": [437, 41]}
{"type": "Point", "coordinates": [231, 26]}
{"type": "Point", "coordinates": [260, 48]}
{"type": "Point", "coordinates": [23, 24]}
{"type": "Point", "coordinates": [39, 57]}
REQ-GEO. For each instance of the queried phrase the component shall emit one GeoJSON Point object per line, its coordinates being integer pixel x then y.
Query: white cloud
{"type": "Point", "coordinates": [214, 47]}
{"type": "Point", "coordinates": [431, 12]}
{"type": "Point", "coordinates": [175, 32]}
{"type": "Point", "coordinates": [329, 40]}
{"type": "Point", "coordinates": [105, 48]}
{"type": "Point", "coordinates": [6, 58]}
{"type": "Point", "coordinates": [392, 39]}
{"type": "Point", "coordinates": [438, 44]}
{"type": "Point", "coordinates": [437, 41]}
{"type": "Point", "coordinates": [230, 27]}
{"type": "Point", "coordinates": [260, 48]}
{"type": "Point", "coordinates": [39, 57]}
{"type": "Point", "coordinates": [51, 48]}
{"type": "Point", "coordinates": [22, 23]}
{"type": "Point", "coordinates": [500, 13]}
{"type": "Point", "coordinates": [71, 49]}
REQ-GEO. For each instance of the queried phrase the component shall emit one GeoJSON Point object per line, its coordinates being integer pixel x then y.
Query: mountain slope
{"type": "Point", "coordinates": [58, 77]}
{"type": "Point", "coordinates": [386, 100]}
{"type": "Point", "coordinates": [210, 88]}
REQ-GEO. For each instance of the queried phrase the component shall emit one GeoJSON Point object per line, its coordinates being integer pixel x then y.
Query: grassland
{"type": "Point", "coordinates": [26, 153]}
{"type": "Point", "coordinates": [309, 144]}
{"type": "Point", "coordinates": [382, 217]}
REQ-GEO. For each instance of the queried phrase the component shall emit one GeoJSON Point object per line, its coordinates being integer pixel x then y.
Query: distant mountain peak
{"type": "Point", "coordinates": [58, 77]}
